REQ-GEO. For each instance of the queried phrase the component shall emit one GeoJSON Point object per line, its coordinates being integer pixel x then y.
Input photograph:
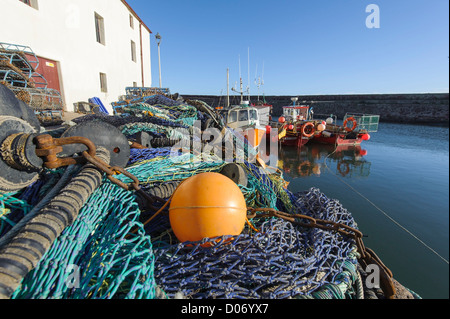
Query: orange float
{"type": "Point", "coordinates": [207, 205]}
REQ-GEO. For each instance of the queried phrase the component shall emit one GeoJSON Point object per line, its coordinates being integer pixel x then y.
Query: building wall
{"type": "Point", "coordinates": [64, 31]}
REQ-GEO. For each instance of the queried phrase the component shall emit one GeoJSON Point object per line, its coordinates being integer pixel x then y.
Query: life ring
{"type": "Point", "coordinates": [347, 168]}
{"type": "Point", "coordinates": [312, 129]}
{"type": "Point", "coordinates": [304, 168]}
{"type": "Point", "coordinates": [355, 124]}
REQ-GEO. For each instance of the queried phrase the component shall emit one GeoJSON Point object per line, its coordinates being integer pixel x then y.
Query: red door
{"type": "Point", "coordinates": [48, 69]}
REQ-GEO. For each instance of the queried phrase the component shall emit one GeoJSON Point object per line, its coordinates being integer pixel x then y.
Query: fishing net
{"type": "Point", "coordinates": [280, 261]}
{"type": "Point", "coordinates": [111, 251]}
{"type": "Point", "coordinates": [14, 206]}
{"type": "Point", "coordinates": [171, 168]}
{"type": "Point", "coordinates": [94, 257]}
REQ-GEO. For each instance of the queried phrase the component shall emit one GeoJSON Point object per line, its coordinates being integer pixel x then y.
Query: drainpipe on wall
{"type": "Point", "coordinates": [142, 55]}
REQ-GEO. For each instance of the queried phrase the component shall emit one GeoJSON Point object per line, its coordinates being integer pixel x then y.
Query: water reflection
{"type": "Point", "coordinates": [309, 160]}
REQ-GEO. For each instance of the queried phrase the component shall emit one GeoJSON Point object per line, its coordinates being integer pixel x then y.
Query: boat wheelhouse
{"type": "Point", "coordinates": [245, 118]}
{"type": "Point", "coordinates": [242, 116]}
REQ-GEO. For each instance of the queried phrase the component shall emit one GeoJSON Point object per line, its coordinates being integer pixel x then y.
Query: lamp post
{"type": "Point", "coordinates": [158, 39]}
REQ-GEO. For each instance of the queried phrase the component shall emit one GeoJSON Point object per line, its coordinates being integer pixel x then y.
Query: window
{"type": "Point", "coordinates": [103, 83]}
{"type": "Point", "coordinates": [99, 29]}
{"type": "Point", "coordinates": [253, 115]}
{"type": "Point", "coordinates": [233, 117]}
{"type": "Point", "coordinates": [133, 51]}
{"type": "Point", "coordinates": [131, 21]}
{"type": "Point", "coordinates": [31, 3]}
{"type": "Point", "coordinates": [243, 115]}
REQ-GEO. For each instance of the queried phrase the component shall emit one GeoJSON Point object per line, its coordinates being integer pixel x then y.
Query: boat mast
{"type": "Point", "coordinates": [258, 81]}
{"type": "Point", "coordinates": [262, 83]}
{"type": "Point", "coordinates": [248, 87]}
{"type": "Point", "coordinates": [241, 82]}
{"type": "Point", "coordinates": [228, 87]}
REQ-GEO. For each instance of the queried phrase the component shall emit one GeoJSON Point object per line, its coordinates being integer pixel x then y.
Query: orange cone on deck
{"type": "Point", "coordinates": [207, 205]}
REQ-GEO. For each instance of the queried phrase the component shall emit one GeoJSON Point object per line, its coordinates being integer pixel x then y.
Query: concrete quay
{"type": "Point", "coordinates": [425, 108]}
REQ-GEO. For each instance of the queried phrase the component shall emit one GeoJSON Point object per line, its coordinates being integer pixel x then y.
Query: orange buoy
{"type": "Point", "coordinates": [207, 205]}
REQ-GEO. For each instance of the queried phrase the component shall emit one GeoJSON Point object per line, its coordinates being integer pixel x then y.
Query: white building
{"type": "Point", "coordinates": [86, 48]}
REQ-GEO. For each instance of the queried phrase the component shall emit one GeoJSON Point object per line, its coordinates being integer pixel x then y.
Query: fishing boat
{"type": "Point", "coordinates": [298, 124]}
{"type": "Point", "coordinates": [245, 122]}
{"type": "Point", "coordinates": [246, 118]}
{"type": "Point", "coordinates": [354, 130]}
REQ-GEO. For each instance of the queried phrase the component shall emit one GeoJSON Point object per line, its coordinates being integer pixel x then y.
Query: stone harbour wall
{"type": "Point", "coordinates": [426, 108]}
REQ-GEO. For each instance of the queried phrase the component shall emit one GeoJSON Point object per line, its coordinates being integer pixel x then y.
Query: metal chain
{"type": "Point", "coordinates": [48, 148]}
{"type": "Point", "coordinates": [368, 256]}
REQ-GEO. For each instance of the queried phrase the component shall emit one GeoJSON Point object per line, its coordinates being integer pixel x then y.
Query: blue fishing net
{"type": "Point", "coordinates": [95, 257]}
{"type": "Point", "coordinates": [280, 261]}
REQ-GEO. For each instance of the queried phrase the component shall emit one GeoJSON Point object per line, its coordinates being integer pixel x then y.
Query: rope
{"type": "Point", "coordinates": [36, 209]}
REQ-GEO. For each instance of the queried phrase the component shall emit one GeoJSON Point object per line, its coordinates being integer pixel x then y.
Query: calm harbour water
{"type": "Point", "coordinates": [405, 177]}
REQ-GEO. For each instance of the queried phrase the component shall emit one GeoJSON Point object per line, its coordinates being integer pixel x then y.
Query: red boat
{"type": "Point", "coordinates": [299, 129]}
{"type": "Point", "coordinates": [341, 138]}
{"type": "Point", "coordinates": [354, 131]}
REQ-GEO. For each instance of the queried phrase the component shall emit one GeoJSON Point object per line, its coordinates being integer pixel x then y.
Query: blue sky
{"type": "Point", "coordinates": [306, 47]}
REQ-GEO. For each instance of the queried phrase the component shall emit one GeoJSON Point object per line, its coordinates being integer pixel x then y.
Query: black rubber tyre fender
{"type": "Point", "coordinates": [144, 139]}
{"type": "Point", "coordinates": [164, 190]}
{"type": "Point", "coordinates": [12, 179]}
{"type": "Point", "coordinates": [102, 134]}
{"type": "Point", "coordinates": [236, 173]}
{"type": "Point", "coordinates": [163, 142]}
{"type": "Point", "coordinates": [11, 106]}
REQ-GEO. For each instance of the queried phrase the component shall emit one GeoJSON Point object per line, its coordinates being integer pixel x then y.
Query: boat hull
{"type": "Point", "coordinates": [255, 136]}
{"type": "Point", "coordinates": [294, 140]}
{"type": "Point", "coordinates": [337, 139]}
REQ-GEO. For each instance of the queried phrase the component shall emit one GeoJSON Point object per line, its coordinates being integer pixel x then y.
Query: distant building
{"type": "Point", "coordinates": [86, 48]}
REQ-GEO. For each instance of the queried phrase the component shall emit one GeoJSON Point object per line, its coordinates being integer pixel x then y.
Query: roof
{"type": "Point", "coordinates": [136, 15]}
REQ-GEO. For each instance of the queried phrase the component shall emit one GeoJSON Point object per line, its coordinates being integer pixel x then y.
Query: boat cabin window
{"type": "Point", "coordinates": [232, 117]}
{"type": "Point", "coordinates": [290, 112]}
{"type": "Point", "coordinates": [253, 115]}
{"type": "Point", "coordinates": [243, 115]}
